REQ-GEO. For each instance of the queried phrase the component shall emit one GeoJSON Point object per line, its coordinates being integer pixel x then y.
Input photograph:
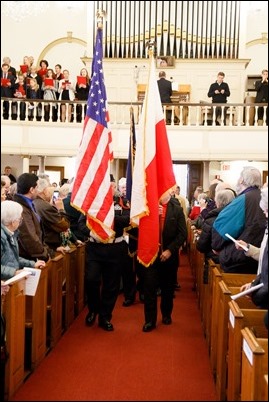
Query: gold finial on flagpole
{"type": "Point", "coordinates": [151, 46]}
{"type": "Point", "coordinates": [101, 15]}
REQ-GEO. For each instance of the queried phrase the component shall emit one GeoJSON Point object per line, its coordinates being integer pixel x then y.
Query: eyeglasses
{"type": "Point", "coordinates": [19, 220]}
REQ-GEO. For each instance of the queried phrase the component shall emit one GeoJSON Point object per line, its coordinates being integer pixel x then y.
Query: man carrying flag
{"type": "Point", "coordinates": [159, 239]}
{"type": "Point", "coordinates": [93, 193]}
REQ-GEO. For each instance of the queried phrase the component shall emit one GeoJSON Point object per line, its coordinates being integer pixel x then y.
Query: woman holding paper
{"type": "Point", "coordinates": [50, 90]}
{"type": "Point", "coordinates": [82, 92]}
{"type": "Point", "coordinates": [11, 262]}
{"type": "Point", "coordinates": [66, 90]}
{"type": "Point", "coordinates": [260, 296]}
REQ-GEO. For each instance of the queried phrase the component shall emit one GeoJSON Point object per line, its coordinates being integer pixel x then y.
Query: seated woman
{"type": "Point", "coordinates": [11, 262]}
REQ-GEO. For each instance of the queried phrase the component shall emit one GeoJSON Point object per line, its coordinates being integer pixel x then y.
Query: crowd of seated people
{"type": "Point", "coordinates": [43, 225]}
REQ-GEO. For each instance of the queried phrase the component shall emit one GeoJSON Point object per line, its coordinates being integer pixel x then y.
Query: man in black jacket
{"type": "Point", "coordinates": [219, 92]}
{"type": "Point", "coordinates": [261, 87]}
{"type": "Point", "coordinates": [173, 233]}
{"type": "Point", "coordinates": [165, 89]}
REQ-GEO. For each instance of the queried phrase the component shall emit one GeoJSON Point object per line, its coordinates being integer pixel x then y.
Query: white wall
{"type": "Point", "coordinates": [34, 34]}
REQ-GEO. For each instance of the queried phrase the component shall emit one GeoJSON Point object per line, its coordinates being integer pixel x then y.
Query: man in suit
{"type": "Point", "coordinates": [11, 70]}
{"type": "Point", "coordinates": [219, 92]}
{"type": "Point", "coordinates": [261, 87]}
{"type": "Point", "coordinates": [104, 264]}
{"type": "Point", "coordinates": [165, 89]}
{"type": "Point", "coordinates": [7, 88]}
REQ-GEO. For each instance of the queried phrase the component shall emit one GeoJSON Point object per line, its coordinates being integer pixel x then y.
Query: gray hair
{"type": "Point", "coordinates": [10, 211]}
{"type": "Point", "coordinates": [64, 190]}
{"type": "Point", "coordinates": [6, 179]}
{"type": "Point", "coordinates": [42, 184]}
{"type": "Point", "coordinates": [264, 199]}
{"type": "Point", "coordinates": [224, 197]}
{"type": "Point", "coordinates": [251, 177]}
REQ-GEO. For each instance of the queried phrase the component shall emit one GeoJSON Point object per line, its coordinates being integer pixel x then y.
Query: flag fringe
{"type": "Point", "coordinates": [150, 262]}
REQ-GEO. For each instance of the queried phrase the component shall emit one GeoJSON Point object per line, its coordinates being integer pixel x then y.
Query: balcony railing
{"type": "Point", "coordinates": [182, 114]}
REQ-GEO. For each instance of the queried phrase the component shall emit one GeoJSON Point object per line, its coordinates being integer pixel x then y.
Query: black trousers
{"type": "Point", "coordinates": [104, 264]}
{"type": "Point", "coordinates": [129, 278]}
{"type": "Point", "coordinates": [159, 274]}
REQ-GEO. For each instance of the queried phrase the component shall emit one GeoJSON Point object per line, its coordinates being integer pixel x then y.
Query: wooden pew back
{"type": "Point", "coordinates": [240, 318]}
{"type": "Point", "coordinates": [254, 366]}
{"type": "Point", "coordinates": [13, 309]}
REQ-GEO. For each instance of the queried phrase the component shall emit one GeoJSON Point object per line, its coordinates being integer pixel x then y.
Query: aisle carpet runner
{"type": "Point", "coordinates": [170, 363]}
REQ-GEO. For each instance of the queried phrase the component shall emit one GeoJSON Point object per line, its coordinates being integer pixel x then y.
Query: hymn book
{"type": "Point", "coordinates": [31, 275]}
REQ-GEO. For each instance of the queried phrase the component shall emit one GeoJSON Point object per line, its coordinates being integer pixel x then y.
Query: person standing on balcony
{"type": "Point", "coordinates": [261, 87]}
{"type": "Point", "coordinates": [219, 92]}
{"type": "Point", "coordinates": [11, 70]}
{"type": "Point", "coordinates": [165, 90]}
{"type": "Point", "coordinates": [82, 92]}
{"type": "Point", "coordinates": [67, 92]}
{"type": "Point", "coordinates": [7, 88]}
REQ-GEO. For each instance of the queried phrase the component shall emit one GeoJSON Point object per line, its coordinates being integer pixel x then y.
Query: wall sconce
{"type": "Point", "coordinates": [137, 72]}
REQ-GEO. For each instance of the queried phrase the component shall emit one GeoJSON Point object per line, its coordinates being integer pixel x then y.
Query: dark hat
{"type": "Point", "coordinates": [25, 182]}
{"type": "Point", "coordinates": [112, 178]}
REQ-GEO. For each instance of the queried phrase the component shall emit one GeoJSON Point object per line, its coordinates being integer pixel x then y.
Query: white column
{"type": "Point", "coordinates": [206, 175]}
{"type": "Point", "coordinates": [25, 163]}
{"type": "Point", "coordinates": [41, 164]}
{"type": "Point", "coordinates": [90, 28]}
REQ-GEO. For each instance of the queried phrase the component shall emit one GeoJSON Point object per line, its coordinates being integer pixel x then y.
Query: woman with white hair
{"type": "Point", "coordinates": [11, 218]}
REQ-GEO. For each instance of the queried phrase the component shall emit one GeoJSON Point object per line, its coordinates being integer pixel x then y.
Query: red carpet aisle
{"type": "Point", "coordinates": [88, 364]}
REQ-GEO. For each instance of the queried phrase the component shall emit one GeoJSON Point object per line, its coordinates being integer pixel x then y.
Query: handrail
{"type": "Point", "coordinates": [182, 113]}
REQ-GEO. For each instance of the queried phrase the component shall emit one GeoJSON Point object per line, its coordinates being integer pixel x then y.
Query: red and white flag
{"type": "Point", "coordinates": [153, 173]}
{"type": "Point", "coordinates": [92, 192]}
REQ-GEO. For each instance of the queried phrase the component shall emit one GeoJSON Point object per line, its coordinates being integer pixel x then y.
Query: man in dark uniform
{"type": "Point", "coordinates": [162, 272]}
{"type": "Point", "coordinates": [104, 263]}
{"type": "Point", "coordinates": [128, 271]}
{"type": "Point", "coordinates": [219, 92]}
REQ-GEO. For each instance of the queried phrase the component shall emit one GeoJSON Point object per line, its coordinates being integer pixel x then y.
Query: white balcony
{"type": "Point", "coordinates": [194, 136]}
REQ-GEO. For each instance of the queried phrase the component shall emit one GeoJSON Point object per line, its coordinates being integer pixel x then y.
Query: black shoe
{"type": "Point", "coordinates": [106, 325]}
{"type": "Point", "coordinates": [149, 326]}
{"type": "Point", "coordinates": [167, 320]}
{"type": "Point", "coordinates": [128, 302]}
{"type": "Point", "coordinates": [177, 286]}
{"type": "Point", "coordinates": [90, 319]}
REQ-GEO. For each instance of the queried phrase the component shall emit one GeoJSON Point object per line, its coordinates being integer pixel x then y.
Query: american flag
{"type": "Point", "coordinates": [92, 192]}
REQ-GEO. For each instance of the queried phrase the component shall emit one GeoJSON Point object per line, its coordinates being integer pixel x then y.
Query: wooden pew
{"type": "Point", "coordinates": [233, 280]}
{"type": "Point", "coordinates": [14, 313]}
{"type": "Point", "coordinates": [225, 293]}
{"type": "Point", "coordinates": [264, 390]}
{"type": "Point", "coordinates": [80, 279]}
{"type": "Point", "coordinates": [254, 366]}
{"type": "Point", "coordinates": [54, 300]}
{"type": "Point", "coordinates": [68, 288]}
{"type": "Point", "coordinates": [238, 319]}
{"type": "Point", "coordinates": [36, 323]}
{"type": "Point", "coordinates": [207, 306]}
